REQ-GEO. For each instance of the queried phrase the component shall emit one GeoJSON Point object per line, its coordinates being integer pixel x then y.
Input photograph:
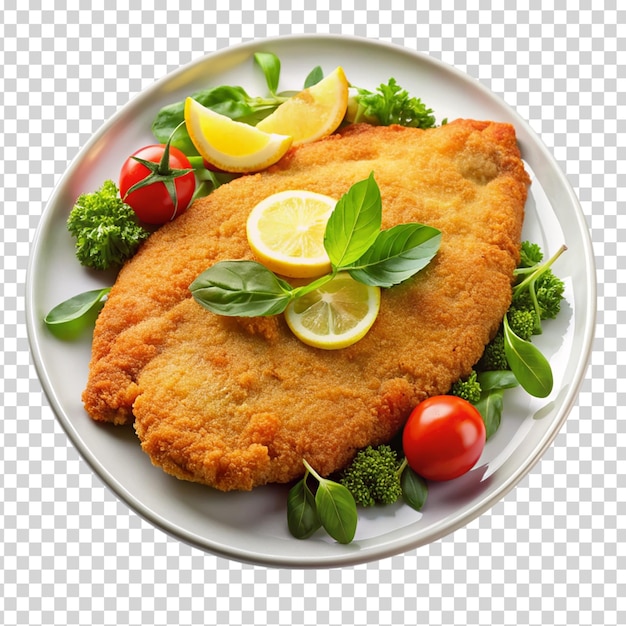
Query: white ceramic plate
{"type": "Point", "coordinates": [251, 527]}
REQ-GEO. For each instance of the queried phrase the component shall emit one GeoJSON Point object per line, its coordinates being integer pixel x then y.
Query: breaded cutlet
{"type": "Point", "coordinates": [238, 402]}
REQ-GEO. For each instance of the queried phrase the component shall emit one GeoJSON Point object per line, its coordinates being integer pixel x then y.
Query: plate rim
{"type": "Point", "coordinates": [361, 555]}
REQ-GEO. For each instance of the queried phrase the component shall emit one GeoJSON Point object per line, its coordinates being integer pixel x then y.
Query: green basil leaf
{"type": "Point", "coordinates": [397, 254]}
{"type": "Point", "coordinates": [530, 367]}
{"type": "Point", "coordinates": [314, 77]}
{"type": "Point", "coordinates": [226, 100]}
{"type": "Point", "coordinates": [234, 102]}
{"type": "Point", "coordinates": [414, 489]}
{"type": "Point", "coordinates": [241, 288]}
{"type": "Point", "coordinates": [490, 407]}
{"type": "Point", "coordinates": [166, 122]}
{"type": "Point", "coordinates": [302, 517]}
{"type": "Point", "coordinates": [68, 319]}
{"type": "Point", "coordinates": [354, 224]}
{"type": "Point", "coordinates": [270, 65]}
{"type": "Point", "coordinates": [337, 510]}
{"type": "Point", "coordinates": [207, 181]}
{"type": "Point", "coordinates": [497, 379]}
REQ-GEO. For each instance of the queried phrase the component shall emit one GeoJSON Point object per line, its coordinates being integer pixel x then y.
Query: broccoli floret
{"type": "Point", "coordinates": [544, 297]}
{"type": "Point", "coordinates": [493, 357]}
{"type": "Point", "coordinates": [521, 321]}
{"type": "Point", "coordinates": [530, 254]}
{"type": "Point", "coordinates": [468, 389]}
{"type": "Point", "coordinates": [549, 289]}
{"type": "Point", "coordinates": [537, 295]}
{"type": "Point", "coordinates": [538, 289]}
{"type": "Point", "coordinates": [373, 477]}
{"type": "Point", "coordinates": [106, 229]}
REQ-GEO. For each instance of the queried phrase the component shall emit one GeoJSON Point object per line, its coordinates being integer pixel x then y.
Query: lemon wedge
{"type": "Point", "coordinates": [230, 145]}
{"type": "Point", "coordinates": [286, 233]}
{"type": "Point", "coordinates": [335, 315]}
{"type": "Point", "coordinates": [313, 113]}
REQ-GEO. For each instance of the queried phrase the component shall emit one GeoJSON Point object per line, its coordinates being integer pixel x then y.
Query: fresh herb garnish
{"type": "Point", "coordinates": [106, 230]}
{"type": "Point", "coordinates": [354, 224]}
{"type": "Point", "coordinates": [302, 517]}
{"type": "Point", "coordinates": [491, 400]}
{"type": "Point", "coordinates": [241, 288]}
{"type": "Point", "coordinates": [414, 488]}
{"type": "Point", "coordinates": [526, 361]}
{"type": "Point", "coordinates": [314, 77]}
{"type": "Point", "coordinates": [71, 317]}
{"type": "Point", "coordinates": [397, 254]}
{"type": "Point", "coordinates": [332, 507]}
{"type": "Point", "coordinates": [391, 104]}
{"type": "Point", "coordinates": [355, 244]}
{"type": "Point", "coordinates": [270, 66]}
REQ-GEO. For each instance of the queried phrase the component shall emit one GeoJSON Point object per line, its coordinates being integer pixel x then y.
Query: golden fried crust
{"type": "Point", "coordinates": [235, 403]}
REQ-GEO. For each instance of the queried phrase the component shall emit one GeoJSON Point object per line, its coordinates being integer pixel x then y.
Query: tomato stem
{"type": "Point", "coordinates": [164, 164]}
{"type": "Point", "coordinates": [161, 172]}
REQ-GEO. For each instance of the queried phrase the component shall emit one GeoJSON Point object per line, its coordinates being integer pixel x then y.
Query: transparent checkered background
{"type": "Point", "coordinates": [549, 553]}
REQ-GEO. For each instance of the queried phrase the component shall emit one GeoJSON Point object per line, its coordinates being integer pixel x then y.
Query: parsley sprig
{"type": "Point", "coordinates": [391, 104]}
{"type": "Point", "coordinates": [355, 244]}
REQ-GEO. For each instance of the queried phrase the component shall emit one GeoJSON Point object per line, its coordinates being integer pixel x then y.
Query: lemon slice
{"type": "Point", "coordinates": [335, 315]}
{"type": "Point", "coordinates": [313, 113]}
{"type": "Point", "coordinates": [229, 145]}
{"type": "Point", "coordinates": [286, 233]}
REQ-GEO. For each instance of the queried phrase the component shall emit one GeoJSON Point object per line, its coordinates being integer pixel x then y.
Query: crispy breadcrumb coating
{"type": "Point", "coordinates": [235, 402]}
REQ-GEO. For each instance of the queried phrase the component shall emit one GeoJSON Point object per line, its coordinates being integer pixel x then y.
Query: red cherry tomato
{"type": "Point", "coordinates": [443, 437]}
{"type": "Point", "coordinates": [153, 203]}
